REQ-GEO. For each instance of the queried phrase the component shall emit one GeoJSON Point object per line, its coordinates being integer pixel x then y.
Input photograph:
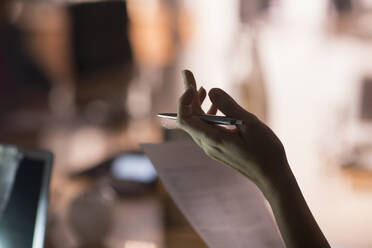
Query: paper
{"type": "Point", "coordinates": [224, 207]}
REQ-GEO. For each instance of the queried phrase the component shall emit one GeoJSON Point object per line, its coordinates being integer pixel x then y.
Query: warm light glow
{"type": "Point", "coordinates": [139, 244]}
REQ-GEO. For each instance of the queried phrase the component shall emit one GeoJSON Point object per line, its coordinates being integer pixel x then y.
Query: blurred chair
{"type": "Point", "coordinates": [102, 60]}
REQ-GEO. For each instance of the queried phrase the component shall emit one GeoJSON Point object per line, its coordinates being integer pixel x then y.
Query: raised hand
{"type": "Point", "coordinates": [255, 151]}
{"type": "Point", "coordinates": [252, 148]}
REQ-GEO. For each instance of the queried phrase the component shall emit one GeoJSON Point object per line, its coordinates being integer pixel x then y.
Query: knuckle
{"type": "Point", "coordinates": [204, 137]}
{"type": "Point", "coordinates": [197, 140]}
{"type": "Point", "coordinates": [217, 149]}
{"type": "Point", "coordinates": [208, 152]}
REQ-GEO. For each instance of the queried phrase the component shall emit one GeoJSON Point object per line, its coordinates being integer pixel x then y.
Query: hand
{"type": "Point", "coordinates": [252, 148]}
{"type": "Point", "coordinates": [255, 151]}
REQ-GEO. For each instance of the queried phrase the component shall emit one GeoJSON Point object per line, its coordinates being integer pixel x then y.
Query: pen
{"type": "Point", "coordinates": [211, 119]}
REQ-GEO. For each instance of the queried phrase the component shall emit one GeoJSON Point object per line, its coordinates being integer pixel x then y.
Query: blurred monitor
{"type": "Point", "coordinates": [133, 167]}
{"type": "Point", "coordinates": [132, 174]}
{"type": "Point", "coordinates": [23, 222]}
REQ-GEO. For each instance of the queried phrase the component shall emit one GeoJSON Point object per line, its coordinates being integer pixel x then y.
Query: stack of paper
{"type": "Point", "coordinates": [224, 207]}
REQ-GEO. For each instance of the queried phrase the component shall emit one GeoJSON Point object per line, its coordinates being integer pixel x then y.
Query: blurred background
{"type": "Point", "coordinates": [85, 80]}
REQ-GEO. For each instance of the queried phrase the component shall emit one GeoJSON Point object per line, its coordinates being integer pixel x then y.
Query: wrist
{"type": "Point", "coordinates": [275, 185]}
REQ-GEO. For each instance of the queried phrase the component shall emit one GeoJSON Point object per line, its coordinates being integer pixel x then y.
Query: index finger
{"type": "Point", "coordinates": [184, 105]}
{"type": "Point", "coordinates": [192, 124]}
{"type": "Point", "coordinates": [189, 79]}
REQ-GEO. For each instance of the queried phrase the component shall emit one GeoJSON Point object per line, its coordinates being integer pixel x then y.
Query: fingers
{"type": "Point", "coordinates": [189, 79]}
{"type": "Point", "coordinates": [189, 109]}
{"type": "Point", "coordinates": [184, 104]}
{"type": "Point", "coordinates": [202, 93]}
{"type": "Point", "coordinates": [190, 83]}
{"type": "Point", "coordinates": [226, 104]}
{"type": "Point", "coordinates": [203, 132]}
{"type": "Point", "coordinates": [212, 110]}
{"type": "Point", "coordinates": [190, 121]}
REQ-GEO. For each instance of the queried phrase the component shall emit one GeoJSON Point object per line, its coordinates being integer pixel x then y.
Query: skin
{"type": "Point", "coordinates": [256, 152]}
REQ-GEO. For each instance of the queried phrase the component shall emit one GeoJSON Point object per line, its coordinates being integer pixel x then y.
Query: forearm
{"type": "Point", "coordinates": [296, 223]}
{"type": "Point", "coordinates": [251, 149]}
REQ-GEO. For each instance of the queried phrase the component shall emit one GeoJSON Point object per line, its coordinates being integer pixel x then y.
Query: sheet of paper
{"type": "Point", "coordinates": [224, 207]}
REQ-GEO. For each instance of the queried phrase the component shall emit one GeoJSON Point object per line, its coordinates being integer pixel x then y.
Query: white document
{"type": "Point", "coordinates": [224, 207]}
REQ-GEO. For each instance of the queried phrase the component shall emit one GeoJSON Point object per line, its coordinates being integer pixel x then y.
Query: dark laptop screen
{"type": "Point", "coordinates": [17, 225]}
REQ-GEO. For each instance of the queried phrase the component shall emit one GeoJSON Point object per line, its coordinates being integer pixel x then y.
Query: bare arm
{"type": "Point", "coordinates": [296, 223]}
{"type": "Point", "coordinates": [255, 151]}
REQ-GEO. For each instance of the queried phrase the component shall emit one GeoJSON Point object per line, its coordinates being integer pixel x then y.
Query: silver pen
{"type": "Point", "coordinates": [211, 119]}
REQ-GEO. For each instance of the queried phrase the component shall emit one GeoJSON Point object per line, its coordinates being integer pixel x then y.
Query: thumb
{"type": "Point", "coordinates": [226, 104]}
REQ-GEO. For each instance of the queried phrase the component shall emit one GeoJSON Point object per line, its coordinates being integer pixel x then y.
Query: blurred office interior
{"type": "Point", "coordinates": [85, 80]}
